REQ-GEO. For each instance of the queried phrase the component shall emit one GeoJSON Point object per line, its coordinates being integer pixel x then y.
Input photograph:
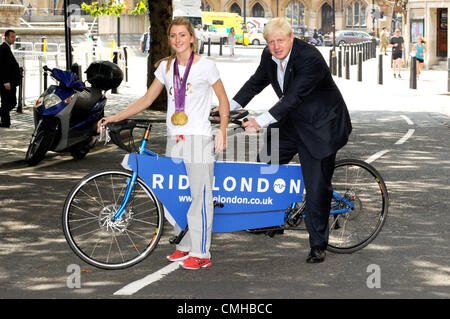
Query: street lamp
{"type": "Point", "coordinates": [67, 37]}
{"type": "Point", "coordinates": [333, 54]}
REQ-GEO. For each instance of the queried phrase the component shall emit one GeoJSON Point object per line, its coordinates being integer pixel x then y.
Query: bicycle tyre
{"type": "Point", "coordinates": [95, 237]}
{"type": "Point", "coordinates": [363, 185]}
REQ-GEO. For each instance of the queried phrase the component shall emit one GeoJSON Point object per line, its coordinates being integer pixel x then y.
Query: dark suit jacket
{"type": "Point", "coordinates": [311, 105]}
{"type": "Point", "coordinates": [9, 68]}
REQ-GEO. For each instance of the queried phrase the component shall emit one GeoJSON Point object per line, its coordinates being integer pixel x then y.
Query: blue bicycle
{"type": "Point", "coordinates": [114, 218]}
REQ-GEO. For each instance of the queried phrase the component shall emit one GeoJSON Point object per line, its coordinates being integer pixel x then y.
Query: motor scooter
{"type": "Point", "coordinates": [66, 115]}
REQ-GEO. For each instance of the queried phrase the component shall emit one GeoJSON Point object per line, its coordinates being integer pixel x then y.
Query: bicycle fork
{"type": "Point", "coordinates": [128, 191]}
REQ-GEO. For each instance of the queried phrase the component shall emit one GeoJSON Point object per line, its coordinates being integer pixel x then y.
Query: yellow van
{"type": "Point", "coordinates": [224, 21]}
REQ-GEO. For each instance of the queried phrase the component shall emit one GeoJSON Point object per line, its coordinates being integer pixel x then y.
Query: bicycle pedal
{"type": "Point", "coordinates": [272, 233]}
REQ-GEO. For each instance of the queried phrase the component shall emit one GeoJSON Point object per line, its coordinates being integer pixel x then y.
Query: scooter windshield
{"type": "Point", "coordinates": [68, 79]}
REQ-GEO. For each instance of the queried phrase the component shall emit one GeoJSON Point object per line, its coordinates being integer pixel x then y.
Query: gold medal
{"type": "Point", "coordinates": [179, 118]}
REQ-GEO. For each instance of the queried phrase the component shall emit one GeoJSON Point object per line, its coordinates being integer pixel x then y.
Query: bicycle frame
{"type": "Point", "coordinates": [253, 195]}
{"type": "Point", "coordinates": [235, 216]}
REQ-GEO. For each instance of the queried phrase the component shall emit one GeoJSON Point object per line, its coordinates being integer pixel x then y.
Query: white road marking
{"type": "Point", "coordinates": [405, 137]}
{"type": "Point", "coordinates": [141, 283]}
{"type": "Point", "coordinates": [407, 119]}
{"type": "Point", "coordinates": [376, 156]}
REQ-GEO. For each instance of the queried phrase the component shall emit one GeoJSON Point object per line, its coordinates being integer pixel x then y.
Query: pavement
{"type": "Point", "coordinates": [431, 95]}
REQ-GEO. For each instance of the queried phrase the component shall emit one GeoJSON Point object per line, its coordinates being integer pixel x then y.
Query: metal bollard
{"type": "Point", "coordinates": [45, 80]}
{"type": "Point", "coordinates": [353, 60]}
{"type": "Point", "coordinates": [360, 66]}
{"type": "Point", "coordinates": [334, 63]}
{"type": "Point", "coordinates": [340, 63]}
{"type": "Point", "coordinates": [125, 52]}
{"type": "Point", "coordinates": [413, 73]}
{"type": "Point", "coordinates": [209, 47]}
{"type": "Point", "coordinates": [220, 50]}
{"type": "Point", "coordinates": [347, 64]}
{"type": "Point", "coordinates": [380, 69]}
{"type": "Point", "coordinates": [330, 59]}
{"type": "Point", "coordinates": [115, 61]}
{"type": "Point", "coordinates": [20, 99]}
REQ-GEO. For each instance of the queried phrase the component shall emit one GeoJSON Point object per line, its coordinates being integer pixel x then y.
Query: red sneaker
{"type": "Point", "coordinates": [195, 263]}
{"type": "Point", "coordinates": [178, 255]}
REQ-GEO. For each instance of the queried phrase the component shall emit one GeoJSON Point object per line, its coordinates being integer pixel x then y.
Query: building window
{"type": "Point", "coordinates": [235, 8]}
{"type": "Point", "coordinates": [205, 6]}
{"type": "Point", "coordinates": [356, 15]}
{"type": "Point", "coordinates": [295, 13]}
{"type": "Point", "coordinates": [258, 11]}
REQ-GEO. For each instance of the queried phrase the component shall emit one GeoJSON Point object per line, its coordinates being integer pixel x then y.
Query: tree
{"type": "Point", "coordinates": [160, 15]}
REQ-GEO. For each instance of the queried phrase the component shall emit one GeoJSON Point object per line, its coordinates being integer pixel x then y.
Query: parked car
{"type": "Point", "coordinates": [353, 36]}
{"type": "Point", "coordinates": [256, 36]}
{"type": "Point", "coordinates": [210, 32]}
{"type": "Point", "coordinates": [328, 39]}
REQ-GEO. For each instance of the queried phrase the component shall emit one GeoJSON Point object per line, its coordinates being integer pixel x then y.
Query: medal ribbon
{"type": "Point", "coordinates": [180, 86]}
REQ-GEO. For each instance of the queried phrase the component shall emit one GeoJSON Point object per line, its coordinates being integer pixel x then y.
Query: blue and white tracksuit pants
{"type": "Point", "coordinates": [197, 153]}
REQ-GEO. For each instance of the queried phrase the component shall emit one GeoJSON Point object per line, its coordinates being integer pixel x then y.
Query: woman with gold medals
{"type": "Point", "coordinates": [190, 81]}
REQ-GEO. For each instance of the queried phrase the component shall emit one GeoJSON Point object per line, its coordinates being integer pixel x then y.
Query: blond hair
{"type": "Point", "coordinates": [191, 30]}
{"type": "Point", "coordinates": [280, 25]}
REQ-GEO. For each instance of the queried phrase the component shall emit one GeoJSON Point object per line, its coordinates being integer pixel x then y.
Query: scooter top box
{"type": "Point", "coordinates": [104, 75]}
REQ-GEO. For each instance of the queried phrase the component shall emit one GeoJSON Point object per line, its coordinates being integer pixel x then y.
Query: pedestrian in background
{"type": "Point", "coordinates": [190, 80]}
{"type": "Point", "coordinates": [384, 40]}
{"type": "Point", "coordinates": [398, 47]}
{"type": "Point", "coordinates": [9, 77]}
{"type": "Point", "coordinates": [231, 41]}
{"type": "Point", "coordinates": [144, 44]}
{"type": "Point", "coordinates": [420, 49]}
{"type": "Point", "coordinates": [199, 37]}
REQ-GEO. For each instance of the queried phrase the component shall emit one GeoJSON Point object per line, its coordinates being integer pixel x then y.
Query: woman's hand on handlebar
{"type": "Point", "coordinates": [103, 121]}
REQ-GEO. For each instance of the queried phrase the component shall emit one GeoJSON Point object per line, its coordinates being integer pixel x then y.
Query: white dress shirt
{"type": "Point", "coordinates": [266, 118]}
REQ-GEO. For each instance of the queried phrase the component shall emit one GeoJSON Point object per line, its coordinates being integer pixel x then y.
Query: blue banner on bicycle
{"type": "Point", "coordinates": [253, 195]}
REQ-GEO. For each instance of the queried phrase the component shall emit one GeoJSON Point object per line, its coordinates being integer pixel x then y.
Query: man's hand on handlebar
{"type": "Point", "coordinates": [251, 125]}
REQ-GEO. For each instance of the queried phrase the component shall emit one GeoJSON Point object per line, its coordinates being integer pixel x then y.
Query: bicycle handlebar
{"type": "Point", "coordinates": [115, 128]}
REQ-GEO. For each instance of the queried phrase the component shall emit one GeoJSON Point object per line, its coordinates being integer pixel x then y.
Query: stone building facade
{"type": "Point", "coordinates": [429, 19]}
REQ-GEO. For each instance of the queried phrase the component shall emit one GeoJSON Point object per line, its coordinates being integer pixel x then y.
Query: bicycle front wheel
{"type": "Point", "coordinates": [92, 232]}
{"type": "Point", "coordinates": [359, 206]}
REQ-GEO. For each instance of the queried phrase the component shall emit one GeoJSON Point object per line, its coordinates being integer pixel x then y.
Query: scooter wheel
{"type": "Point", "coordinates": [39, 145]}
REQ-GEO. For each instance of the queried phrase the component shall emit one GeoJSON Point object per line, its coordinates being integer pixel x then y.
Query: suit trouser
{"type": "Point", "coordinates": [8, 102]}
{"type": "Point", "coordinates": [197, 154]}
{"type": "Point", "coordinates": [317, 175]}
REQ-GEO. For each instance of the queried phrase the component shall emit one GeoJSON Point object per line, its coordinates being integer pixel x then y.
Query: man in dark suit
{"type": "Point", "coordinates": [9, 78]}
{"type": "Point", "coordinates": [311, 119]}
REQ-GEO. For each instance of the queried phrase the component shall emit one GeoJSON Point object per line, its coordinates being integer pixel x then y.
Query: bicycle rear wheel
{"type": "Point", "coordinates": [92, 233]}
{"type": "Point", "coordinates": [361, 185]}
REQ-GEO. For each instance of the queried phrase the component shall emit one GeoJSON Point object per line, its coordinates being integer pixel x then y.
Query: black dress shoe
{"type": "Point", "coordinates": [316, 255]}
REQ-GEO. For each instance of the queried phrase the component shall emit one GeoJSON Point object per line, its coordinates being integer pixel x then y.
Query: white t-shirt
{"type": "Point", "coordinates": [199, 94]}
